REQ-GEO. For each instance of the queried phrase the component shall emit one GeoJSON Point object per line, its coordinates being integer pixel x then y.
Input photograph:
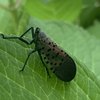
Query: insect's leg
{"type": "Point", "coordinates": [20, 38]}
{"type": "Point", "coordinates": [44, 65]}
{"type": "Point", "coordinates": [32, 30]}
{"type": "Point", "coordinates": [27, 59]}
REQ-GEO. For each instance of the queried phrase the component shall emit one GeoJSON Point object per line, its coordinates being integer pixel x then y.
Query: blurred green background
{"type": "Point", "coordinates": [74, 25]}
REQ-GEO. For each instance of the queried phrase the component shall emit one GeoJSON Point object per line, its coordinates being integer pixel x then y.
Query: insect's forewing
{"type": "Point", "coordinates": [61, 63]}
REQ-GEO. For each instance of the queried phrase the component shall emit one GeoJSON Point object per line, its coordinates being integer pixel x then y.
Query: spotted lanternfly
{"type": "Point", "coordinates": [50, 54]}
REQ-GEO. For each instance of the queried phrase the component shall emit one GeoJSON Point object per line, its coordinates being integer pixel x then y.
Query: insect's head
{"type": "Point", "coordinates": [38, 35]}
{"type": "Point", "coordinates": [37, 31]}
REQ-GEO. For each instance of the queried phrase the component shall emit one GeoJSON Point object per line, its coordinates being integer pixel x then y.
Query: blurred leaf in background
{"type": "Point", "coordinates": [90, 12]}
{"type": "Point", "coordinates": [12, 16]}
{"type": "Point", "coordinates": [72, 26]}
{"type": "Point", "coordinates": [95, 29]}
{"type": "Point", "coordinates": [63, 10]}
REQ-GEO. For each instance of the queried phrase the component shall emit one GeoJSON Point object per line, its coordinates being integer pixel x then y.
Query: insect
{"type": "Point", "coordinates": [50, 54]}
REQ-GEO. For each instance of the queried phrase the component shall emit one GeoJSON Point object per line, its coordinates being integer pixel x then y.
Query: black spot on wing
{"type": "Point", "coordinates": [49, 43]}
{"type": "Point", "coordinates": [44, 57]}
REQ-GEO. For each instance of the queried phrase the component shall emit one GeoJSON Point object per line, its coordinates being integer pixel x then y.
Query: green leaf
{"type": "Point", "coordinates": [54, 9]}
{"type": "Point", "coordinates": [33, 83]}
{"type": "Point", "coordinates": [89, 13]}
{"type": "Point", "coordinates": [5, 19]}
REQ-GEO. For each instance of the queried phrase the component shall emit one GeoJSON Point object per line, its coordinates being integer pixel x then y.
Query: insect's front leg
{"type": "Point", "coordinates": [27, 59]}
{"type": "Point", "coordinates": [20, 37]}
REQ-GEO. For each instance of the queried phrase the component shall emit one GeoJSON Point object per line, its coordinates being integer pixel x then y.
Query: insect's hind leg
{"type": "Point", "coordinates": [44, 65]}
{"type": "Point", "coordinates": [27, 59]}
{"type": "Point", "coordinates": [20, 38]}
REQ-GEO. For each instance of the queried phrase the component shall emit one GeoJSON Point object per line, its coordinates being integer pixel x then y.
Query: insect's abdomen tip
{"type": "Point", "coordinates": [67, 71]}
